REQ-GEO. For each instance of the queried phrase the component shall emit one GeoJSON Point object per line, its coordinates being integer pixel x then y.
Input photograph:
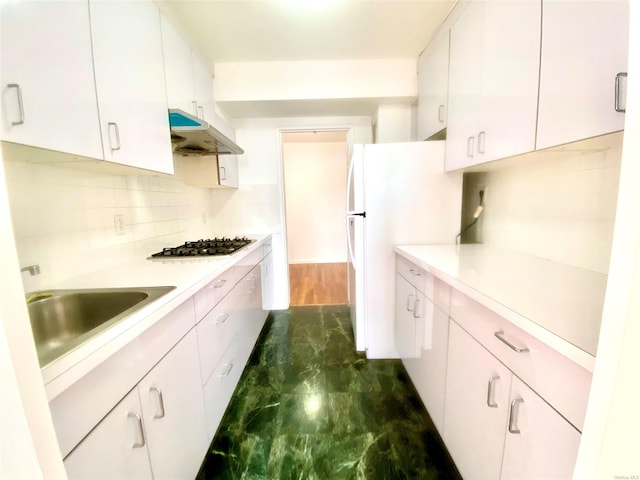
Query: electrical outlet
{"type": "Point", "coordinates": [118, 224]}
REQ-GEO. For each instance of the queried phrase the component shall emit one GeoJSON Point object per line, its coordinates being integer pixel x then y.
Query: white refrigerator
{"type": "Point", "coordinates": [397, 194]}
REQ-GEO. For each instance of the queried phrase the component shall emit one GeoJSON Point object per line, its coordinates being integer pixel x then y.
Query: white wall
{"type": "Point", "coordinates": [63, 218]}
{"type": "Point", "coordinates": [352, 79]}
{"type": "Point", "coordinates": [256, 206]}
{"type": "Point", "coordinates": [562, 209]}
{"type": "Point", "coordinates": [394, 123]}
{"type": "Point", "coordinates": [315, 186]}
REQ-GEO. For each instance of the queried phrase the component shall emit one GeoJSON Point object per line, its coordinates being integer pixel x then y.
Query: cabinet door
{"type": "Point", "coordinates": [203, 89]}
{"type": "Point", "coordinates": [173, 409]}
{"type": "Point", "coordinates": [476, 406]}
{"type": "Point", "coordinates": [132, 98]}
{"type": "Point", "coordinates": [115, 448]}
{"type": "Point", "coordinates": [510, 70]}
{"type": "Point", "coordinates": [178, 69]}
{"type": "Point", "coordinates": [465, 74]}
{"type": "Point", "coordinates": [433, 84]}
{"type": "Point", "coordinates": [584, 47]}
{"type": "Point", "coordinates": [405, 322]}
{"type": "Point", "coordinates": [57, 91]}
{"type": "Point", "coordinates": [540, 443]}
{"type": "Point", "coordinates": [228, 170]}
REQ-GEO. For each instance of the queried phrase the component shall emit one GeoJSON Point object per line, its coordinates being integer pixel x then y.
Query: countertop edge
{"type": "Point", "coordinates": [64, 372]}
{"type": "Point", "coordinates": [562, 346]}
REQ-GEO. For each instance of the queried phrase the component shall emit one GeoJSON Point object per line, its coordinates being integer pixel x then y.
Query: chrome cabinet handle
{"type": "Point", "coordinates": [441, 113]}
{"type": "Point", "coordinates": [491, 391]}
{"type": "Point", "coordinates": [160, 403]}
{"type": "Point", "coordinates": [513, 416]}
{"type": "Point", "coordinates": [116, 129]}
{"type": "Point", "coordinates": [201, 110]}
{"type": "Point", "coordinates": [482, 136]}
{"type": "Point", "coordinates": [219, 283]}
{"type": "Point", "coordinates": [470, 141]}
{"type": "Point", "coordinates": [416, 308]}
{"type": "Point", "coordinates": [221, 319]}
{"type": "Point", "coordinates": [223, 173]}
{"type": "Point", "coordinates": [500, 336]}
{"type": "Point", "coordinates": [410, 304]}
{"type": "Point", "coordinates": [20, 103]}
{"type": "Point", "coordinates": [618, 104]}
{"type": "Point", "coordinates": [227, 370]}
{"type": "Point", "coordinates": [415, 273]}
{"type": "Point", "coordinates": [142, 441]}
{"type": "Point", "coordinates": [195, 107]}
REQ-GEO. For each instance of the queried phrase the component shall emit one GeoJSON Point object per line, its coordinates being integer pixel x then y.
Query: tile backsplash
{"type": "Point", "coordinates": [560, 208]}
{"type": "Point", "coordinates": [63, 218]}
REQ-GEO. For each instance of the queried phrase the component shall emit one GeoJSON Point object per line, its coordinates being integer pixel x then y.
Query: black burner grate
{"type": "Point", "coordinates": [205, 248]}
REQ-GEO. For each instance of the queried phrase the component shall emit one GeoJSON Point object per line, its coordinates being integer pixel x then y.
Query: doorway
{"type": "Point", "coordinates": [315, 166]}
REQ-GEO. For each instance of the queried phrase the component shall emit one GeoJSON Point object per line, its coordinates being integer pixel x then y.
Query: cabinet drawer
{"type": "Point", "coordinates": [216, 330]}
{"type": "Point", "coordinates": [433, 288]}
{"type": "Point", "coordinates": [209, 296]}
{"type": "Point", "coordinates": [80, 407]}
{"type": "Point", "coordinates": [222, 383]}
{"type": "Point", "coordinates": [562, 383]}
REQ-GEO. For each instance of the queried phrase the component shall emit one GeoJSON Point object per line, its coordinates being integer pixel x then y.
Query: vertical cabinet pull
{"type": "Point", "coordinates": [223, 173]}
{"type": "Point", "coordinates": [410, 303]}
{"type": "Point", "coordinates": [114, 127]}
{"type": "Point", "coordinates": [141, 443]}
{"type": "Point", "coordinates": [491, 392]}
{"type": "Point", "coordinates": [20, 103]}
{"type": "Point", "coordinates": [620, 100]}
{"type": "Point", "coordinates": [416, 308]}
{"type": "Point", "coordinates": [470, 141]}
{"type": "Point", "coordinates": [441, 113]}
{"type": "Point", "coordinates": [201, 110]}
{"type": "Point", "coordinates": [482, 137]}
{"type": "Point", "coordinates": [227, 370]}
{"type": "Point", "coordinates": [195, 107]}
{"type": "Point", "coordinates": [513, 416]}
{"type": "Point", "coordinates": [160, 409]}
{"type": "Point", "coordinates": [500, 336]}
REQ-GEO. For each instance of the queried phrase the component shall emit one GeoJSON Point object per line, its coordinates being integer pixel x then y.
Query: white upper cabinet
{"type": "Point", "coordinates": [189, 80]}
{"type": "Point", "coordinates": [130, 83]}
{"type": "Point", "coordinates": [48, 92]}
{"type": "Point", "coordinates": [493, 82]}
{"type": "Point", "coordinates": [584, 48]}
{"type": "Point", "coordinates": [433, 84]}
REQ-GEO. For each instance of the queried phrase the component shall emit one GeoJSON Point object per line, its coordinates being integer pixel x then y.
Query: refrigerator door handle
{"type": "Point", "coordinates": [349, 215]}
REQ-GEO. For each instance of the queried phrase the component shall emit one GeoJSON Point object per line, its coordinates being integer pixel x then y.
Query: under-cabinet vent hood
{"type": "Point", "coordinates": [192, 136]}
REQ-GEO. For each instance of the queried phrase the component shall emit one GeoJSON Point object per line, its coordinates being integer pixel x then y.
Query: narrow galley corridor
{"type": "Point", "coordinates": [308, 406]}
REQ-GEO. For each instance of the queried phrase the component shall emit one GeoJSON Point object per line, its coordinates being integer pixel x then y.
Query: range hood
{"type": "Point", "coordinates": [192, 136]}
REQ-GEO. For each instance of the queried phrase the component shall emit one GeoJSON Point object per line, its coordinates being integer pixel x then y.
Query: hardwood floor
{"type": "Point", "coordinates": [318, 284]}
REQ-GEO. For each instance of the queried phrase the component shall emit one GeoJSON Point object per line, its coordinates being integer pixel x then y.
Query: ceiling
{"type": "Point", "coordinates": [289, 30]}
{"type": "Point", "coordinates": [293, 30]}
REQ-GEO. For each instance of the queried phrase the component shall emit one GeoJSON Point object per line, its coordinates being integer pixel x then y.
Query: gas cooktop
{"type": "Point", "coordinates": [204, 248]}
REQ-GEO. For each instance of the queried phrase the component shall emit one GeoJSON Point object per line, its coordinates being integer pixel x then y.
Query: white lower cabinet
{"type": "Point", "coordinates": [407, 308]}
{"type": "Point", "coordinates": [495, 425]}
{"type": "Point", "coordinates": [539, 443]}
{"type": "Point", "coordinates": [476, 406]}
{"type": "Point", "coordinates": [127, 456]}
{"type": "Point", "coordinates": [160, 422]}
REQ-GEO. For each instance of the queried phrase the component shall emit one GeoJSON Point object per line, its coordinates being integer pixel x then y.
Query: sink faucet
{"type": "Point", "coordinates": [32, 269]}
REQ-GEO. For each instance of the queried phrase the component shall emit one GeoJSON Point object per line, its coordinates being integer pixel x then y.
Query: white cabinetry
{"type": "Point", "coordinates": [168, 429]}
{"type": "Point", "coordinates": [422, 332]}
{"type": "Point", "coordinates": [131, 91]}
{"type": "Point", "coordinates": [477, 400]}
{"type": "Point", "coordinates": [584, 48]}
{"type": "Point", "coordinates": [433, 82]}
{"type": "Point", "coordinates": [48, 90]}
{"type": "Point", "coordinates": [189, 81]}
{"type": "Point", "coordinates": [493, 82]}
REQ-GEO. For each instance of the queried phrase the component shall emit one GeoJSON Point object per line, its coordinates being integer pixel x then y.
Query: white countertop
{"type": "Point", "coordinates": [559, 304]}
{"type": "Point", "coordinates": [187, 275]}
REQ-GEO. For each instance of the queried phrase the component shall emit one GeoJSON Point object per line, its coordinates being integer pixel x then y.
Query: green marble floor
{"type": "Point", "coordinates": [308, 406]}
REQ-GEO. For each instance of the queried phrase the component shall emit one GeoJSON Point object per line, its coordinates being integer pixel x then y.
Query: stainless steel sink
{"type": "Point", "coordinates": [63, 319]}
